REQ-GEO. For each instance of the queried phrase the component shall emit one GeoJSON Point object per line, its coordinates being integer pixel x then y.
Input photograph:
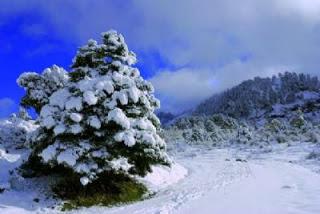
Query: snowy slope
{"type": "Point", "coordinates": [237, 180]}
{"type": "Point", "coordinates": [264, 184]}
{"type": "Point", "coordinates": [20, 195]}
{"type": "Point", "coordinates": [272, 187]}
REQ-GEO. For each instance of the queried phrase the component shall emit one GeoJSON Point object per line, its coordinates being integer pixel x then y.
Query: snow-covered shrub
{"type": "Point", "coordinates": [273, 131]}
{"type": "Point", "coordinates": [274, 126]}
{"type": "Point", "coordinates": [298, 120]}
{"type": "Point", "coordinates": [14, 131]}
{"type": "Point", "coordinates": [198, 135]}
{"type": "Point", "coordinates": [189, 122]}
{"type": "Point", "coordinates": [244, 134]}
{"type": "Point", "coordinates": [102, 119]}
{"type": "Point", "coordinates": [313, 136]}
{"type": "Point", "coordinates": [39, 87]}
{"type": "Point", "coordinates": [223, 121]}
{"type": "Point", "coordinates": [215, 129]}
{"type": "Point", "coordinates": [210, 126]}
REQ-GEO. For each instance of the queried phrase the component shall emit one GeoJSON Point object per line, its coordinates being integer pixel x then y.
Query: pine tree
{"type": "Point", "coordinates": [102, 120]}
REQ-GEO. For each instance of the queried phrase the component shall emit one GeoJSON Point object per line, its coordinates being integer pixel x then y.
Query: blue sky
{"type": "Point", "coordinates": [189, 49]}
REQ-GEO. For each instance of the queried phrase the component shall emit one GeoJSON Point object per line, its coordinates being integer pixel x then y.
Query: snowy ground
{"type": "Point", "coordinates": [215, 181]}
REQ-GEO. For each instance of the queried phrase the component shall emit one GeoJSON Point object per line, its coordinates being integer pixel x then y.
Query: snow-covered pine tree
{"type": "Point", "coordinates": [244, 134]}
{"type": "Point", "coordinates": [102, 120]}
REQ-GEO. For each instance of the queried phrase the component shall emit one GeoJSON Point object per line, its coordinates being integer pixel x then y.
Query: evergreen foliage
{"type": "Point", "coordinates": [99, 117]}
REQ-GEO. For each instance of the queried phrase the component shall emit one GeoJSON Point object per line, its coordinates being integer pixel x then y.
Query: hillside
{"type": "Point", "coordinates": [259, 96]}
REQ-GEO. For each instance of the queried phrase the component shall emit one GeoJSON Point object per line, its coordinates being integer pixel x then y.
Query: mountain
{"type": "Point", "coordinates": [259, 96]}
{"type": "Point", "coordinates": [284, 108]}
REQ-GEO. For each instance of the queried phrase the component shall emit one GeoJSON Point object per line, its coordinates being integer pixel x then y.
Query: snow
{"type": "Point", "coordinates": [144, 124]}
{"type": "Point", "coordinates": [122, 97]}
{"type": "Point", "coordinates": [119, 118]}
{"type": "Point", "coordinates": [99, 153]}
{"type": "Point", "coordinates": [26, 75]}
{"type": "Point", "coordinates": [134, 94]}
{"type": "Point", "coordinates": [19, 194]}
{"type": "Point", "coordinates": [110, 105]}
{"type": "Point", "coordinates": [120, 164]}
{"type": "Point", "coordinates": [59, 129]}
{"type": "Point", "coordinates": [9, 157]}
{"type": "Point", "coordinates": [127, 137]}
{"type": "Point", "coordinates": [56, 74]}
{"type": "Point", "coordinates": [217, 183]}
{"type": "Point", "coordinates": [14, 131]}
{"type": "Point", "coordinates": [49, 153]}
{"type": "Point", "coordinates": [148, 138]}
{"type": "Point", "coordinates": [47, 111]}
{"type": "Point", "coordinates": [59, 98]}
{"type": "Point", "coordinates": [105, 85]}
{"type": "Point", "coordinates": [86, 84]}
{"type": "Point", "coordinates": [164, 176]}
{"type": "Point", "coordinates": [90, 98]}
{"type": "Point", "coordinates": [82, 168]}
{"type": "Point", "coordinates": [46, 114]}
{"type": "Point", "coordinates": [76, 129]}
{"type": "Point", "coordinates": [49, 122]}
{"type": "Point", "coordinates": [95, 122]}
{"type": "Point", "coordinates": [74, 103]}
{"type": "Point", "coordinates": [76, 117]}
{"type": "Point", "coordinates": [205, 180]}
{"type": "Point", "coordinates": [84, 181]}
{"type": "Point", "coordinates": [39, 87]}
{"type": "Point", "coordinates": [272, 187]}
{"type": "Point", "coordinates": [117, 77]}
{"type": "Point", "coordinates": [67, 157]}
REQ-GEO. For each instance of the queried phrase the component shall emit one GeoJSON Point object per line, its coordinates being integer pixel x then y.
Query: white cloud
{"type": "Point", "coordinates": [307, 9]}
{"type": "Point", "coordinates": [183, 89]}
{"type": "Point", "coordinates": [7, 106]}
{"type": "Point", "coordinates": [237, 71]}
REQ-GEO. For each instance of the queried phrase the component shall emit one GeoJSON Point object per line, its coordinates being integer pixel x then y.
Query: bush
{"type": "Point", "coordinates": [108, 190]}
